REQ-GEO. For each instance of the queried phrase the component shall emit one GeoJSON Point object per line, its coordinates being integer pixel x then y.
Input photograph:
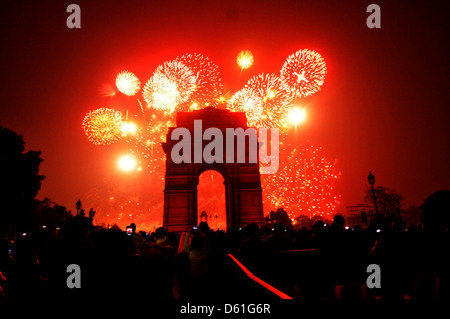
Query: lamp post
{"type": "Point", "coordinates": [78, 206]}
{"type": "Point", "coordinates": [371, 179]}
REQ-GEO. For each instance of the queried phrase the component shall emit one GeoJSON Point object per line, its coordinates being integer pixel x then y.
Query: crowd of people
{"type": "Point", "coordinates": [162, 266]}
{"type": "Point", "coordinates": [317, 263]}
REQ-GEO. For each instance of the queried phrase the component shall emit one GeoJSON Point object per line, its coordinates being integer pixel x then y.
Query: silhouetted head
{"type": "Point", "coordinates": [318, 225]}
{"type": "Point", "coordinates": [338, 222]}
{"type": "Point", "coordinates": [204, 227]}
{"type": "Point", "coordinates": [161, 234]}
{"type": "Point", "coordinates": [253, 230]}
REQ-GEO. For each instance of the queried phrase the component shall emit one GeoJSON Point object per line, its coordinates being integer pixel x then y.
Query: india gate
{"type": "Point", "coordinates": [243, 193]}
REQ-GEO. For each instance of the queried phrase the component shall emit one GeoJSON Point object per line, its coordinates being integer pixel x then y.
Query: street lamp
{"type": "Point", "coordinates": [78, 206]}
{"type": "Point", "coordinates": [371, 179]}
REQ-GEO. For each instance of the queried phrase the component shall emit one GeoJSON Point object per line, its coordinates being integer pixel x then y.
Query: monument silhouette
{"type": "Point", "coordinates": [243, 193]}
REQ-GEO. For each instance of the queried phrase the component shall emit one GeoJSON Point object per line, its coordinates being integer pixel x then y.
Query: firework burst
{"type": "Point", "coordinates": [276, 98]}
{"type": "Point", "coordinates": [303, 185]}
{"type": "Point", "coordinates": [128, 83]}
{"type": "Point", "coordinates": [264, 99]}
{"type": "Point", "coordinates": [244, 59]}
{"type": "Point", "coordinates": [172, 83]}
{"type": "Point", "coordinates": [246, 100]}
{"type": "Point", "coordinates": [103, 126]}
{"type": "Point", "coordinates": [208, 85]}
{"type": "Point", "coordinates": [304, 71]}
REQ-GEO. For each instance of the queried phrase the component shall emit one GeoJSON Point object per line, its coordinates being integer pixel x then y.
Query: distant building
{"type": "Point", "coordinates": [359, 215]}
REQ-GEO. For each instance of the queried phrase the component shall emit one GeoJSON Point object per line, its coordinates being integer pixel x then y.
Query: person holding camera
{"type": "Point", "coordinates": [197, 251]}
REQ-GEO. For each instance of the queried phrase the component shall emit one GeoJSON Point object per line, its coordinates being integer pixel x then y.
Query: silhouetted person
{"type": "Point", "coordinates": [432, 248]}
{"type": "Point", "coordinates": [24, 282]}
{"type": "Point", "coordinates": [338, 223]}
{"type": "Point", "coordinates": [73, 248]}
{"type": "Point", "coordinates": [115, 272]}
{"type": "Point", "coordinates": [371, 234]}
{"type": "Point", "coordinates": [204, 227]}
{"type": "Point", "coordinates": [91, 215]}
{"type": "Point", "coordinates": [343, 249]}
{"type": "Point", "coordinates": [278, 240]}
{"type": "Point", "coordinates": [159, 267]}
{"type": "Point", "coordinates": [316, 239]}
{"type": "Point", "coordinates": [364, 216]}
{"type": "Point", "coordinates": [137, 241]}
{"type": "Point", "coordinates": [252, 248]}
{"type": "Point", "coordinates": [394, 254]}
{"type": "Point", "coordinates": [318, 226]}
{"type": "Point", "coordinates": [197, 252]}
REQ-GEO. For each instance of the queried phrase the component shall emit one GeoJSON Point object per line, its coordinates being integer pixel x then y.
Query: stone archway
{"type": "Point", "coordinates": [243, 193]}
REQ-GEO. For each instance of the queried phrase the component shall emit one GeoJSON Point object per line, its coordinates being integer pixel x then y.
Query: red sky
{"type": "Point", "coordinates": [384, 105]}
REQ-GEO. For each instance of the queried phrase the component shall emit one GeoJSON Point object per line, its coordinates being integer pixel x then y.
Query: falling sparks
{"type": "Point", "coordinates": [303, 185]}
{"type": "Point", "coordinates": [103, 126]}
{"type": "Point", "coordinates": [145, 145]}
{"type": "Point", "coordinates": [128, 83]}
{"type": "Point", "coordinates": [244, 59]}
{"type": "Point", "coordinates": [304, 71]}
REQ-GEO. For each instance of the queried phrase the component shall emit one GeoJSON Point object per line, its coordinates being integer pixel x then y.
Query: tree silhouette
{"type": "Point", "coordinates": [303, 221]}
{"type": "Point", "coordinates": [20, 180]}
{"type": "Point", "coordinates": [389, 201]}
{"type": "Point", "coordinates": [411, 215]}
{"type": "Point", "coordinates": [279, 216]}
{"type": "Point", "coordinates": [49, 214]}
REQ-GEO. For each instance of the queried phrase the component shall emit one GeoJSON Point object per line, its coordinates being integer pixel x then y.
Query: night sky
{"type": "Point", "coordinates": [384, 106]}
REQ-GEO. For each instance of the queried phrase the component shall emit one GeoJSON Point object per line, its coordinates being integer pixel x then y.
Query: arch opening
{"type": "Point", "coordinates": [211, 199]}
